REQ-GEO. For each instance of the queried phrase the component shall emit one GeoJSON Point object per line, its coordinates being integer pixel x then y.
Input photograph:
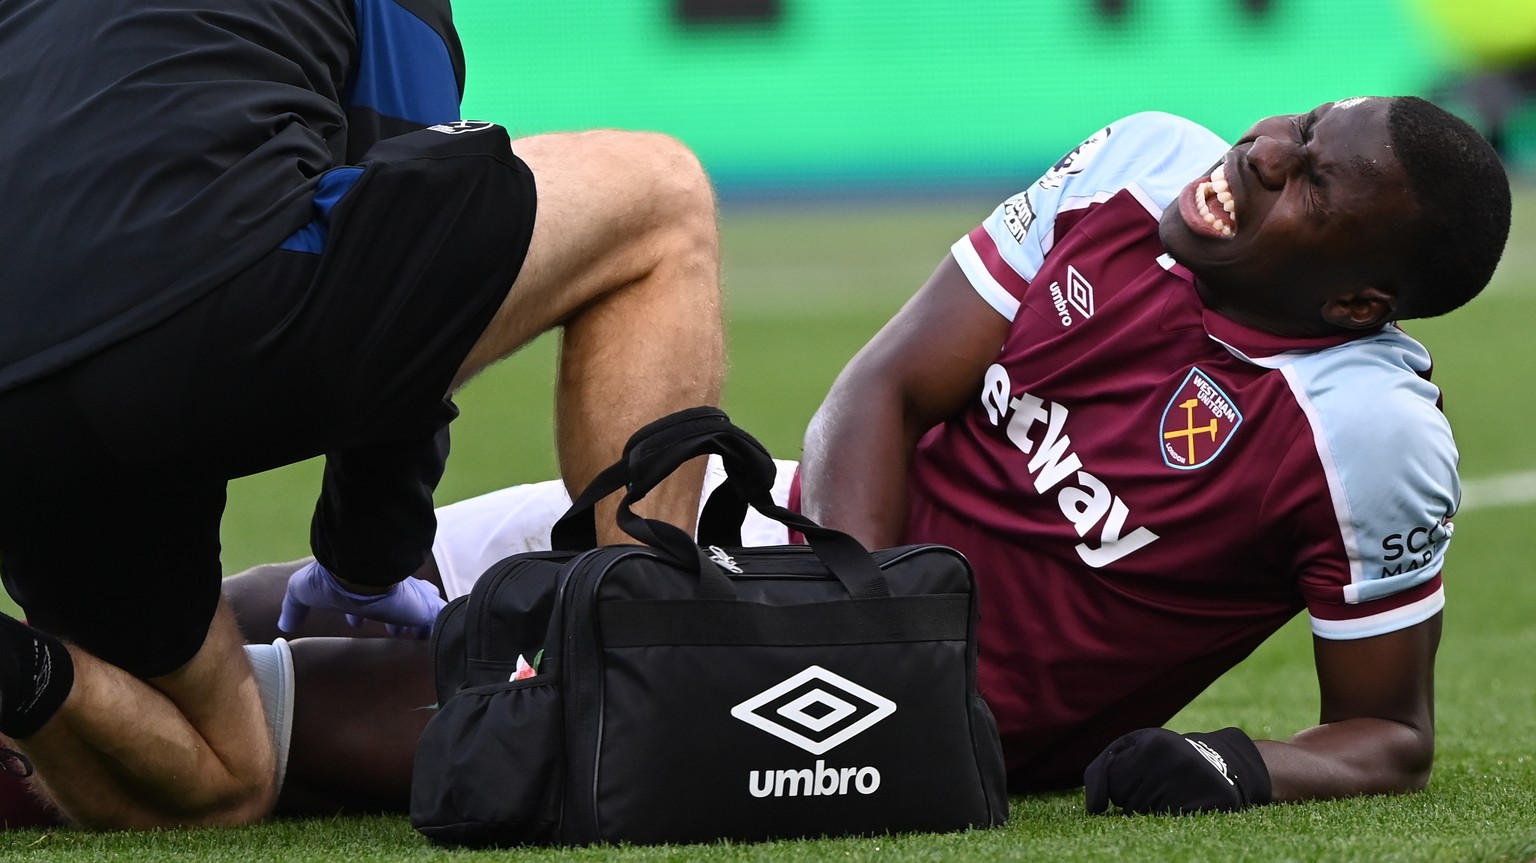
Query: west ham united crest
{"type": "Point", "coordinates": [1198, 422]}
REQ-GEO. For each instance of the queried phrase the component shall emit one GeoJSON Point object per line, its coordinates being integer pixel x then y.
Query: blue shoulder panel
{"type": "Point", "coordinates": [404, 69]}
{"type": "Point", "coordinates": [1389, 456]}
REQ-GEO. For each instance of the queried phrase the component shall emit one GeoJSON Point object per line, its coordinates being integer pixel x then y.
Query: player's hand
{"type": "Point", "coordinates": [1155, 770]}
{"type": "Point", "coordinates": [406, 609]}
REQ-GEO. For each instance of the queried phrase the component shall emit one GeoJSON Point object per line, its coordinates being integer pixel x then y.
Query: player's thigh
{"type": "Point", "coordinates": [612, 206]}
{"type": "Point", "coordinates": [359, 706]}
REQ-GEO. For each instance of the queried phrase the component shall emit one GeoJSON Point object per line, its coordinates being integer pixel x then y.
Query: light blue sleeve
{"type": "Point", "coordinates": [1391, 464]}
{"type": "Point", "coordinates": [1153, 154]}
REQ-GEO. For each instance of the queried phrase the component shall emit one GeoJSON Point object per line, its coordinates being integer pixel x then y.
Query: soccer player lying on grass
{"type": "Point", "coordinates": [1158, 400]}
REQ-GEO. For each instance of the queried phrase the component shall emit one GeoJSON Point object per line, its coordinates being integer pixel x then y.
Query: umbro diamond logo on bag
{"type": "Point", "coordinates": [815, 710]}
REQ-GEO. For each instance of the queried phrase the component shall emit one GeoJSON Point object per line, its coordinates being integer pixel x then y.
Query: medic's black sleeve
{"type": "Point", "coordinates": [374, 522]}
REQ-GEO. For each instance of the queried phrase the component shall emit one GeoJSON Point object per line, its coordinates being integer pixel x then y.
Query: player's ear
{"type": "Point", "coordinates": [1361, 308]}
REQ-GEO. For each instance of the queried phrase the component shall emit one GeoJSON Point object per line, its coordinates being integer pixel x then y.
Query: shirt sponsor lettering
{"type": "Point", "coordinates": [1095, 512]}
{"type": "Point", "coordinates": [1018, 215]}
{"type": "Point", "coordinates": [1412, 549]}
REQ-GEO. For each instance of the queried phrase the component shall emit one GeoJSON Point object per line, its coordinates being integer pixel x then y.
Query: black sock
{"type": "Point", "coordinates": [36, 675]}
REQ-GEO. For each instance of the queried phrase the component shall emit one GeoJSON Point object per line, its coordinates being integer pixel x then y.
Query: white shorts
{"type": "Point", "coordinates": [475, 533]}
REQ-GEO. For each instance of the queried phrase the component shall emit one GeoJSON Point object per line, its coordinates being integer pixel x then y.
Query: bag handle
{"type": "Point", "coordinates": [847, 559]}
{"type": "Point", "coordinates": [658, 449]}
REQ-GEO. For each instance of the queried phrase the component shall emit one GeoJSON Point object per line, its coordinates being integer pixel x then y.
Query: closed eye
{"type": "Point", "coordinates": [1303, 124]}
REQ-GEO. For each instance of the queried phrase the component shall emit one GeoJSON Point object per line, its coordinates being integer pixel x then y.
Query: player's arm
{"type": "Point", "coordinates": [1376, 726]}
{"type": "Point", "coordinates": [372, 531]}
{"type": "Point", "coordinates": [920, 369]}
{"type": "Point", "coordinates": [1375, 735]}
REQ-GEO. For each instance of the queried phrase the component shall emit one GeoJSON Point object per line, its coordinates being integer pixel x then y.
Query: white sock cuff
{"type": "Point", "coordinates": [273, 664]}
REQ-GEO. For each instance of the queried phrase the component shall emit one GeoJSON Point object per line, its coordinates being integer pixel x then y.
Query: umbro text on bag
{"type": "Point", "coordinates": [671, 692]}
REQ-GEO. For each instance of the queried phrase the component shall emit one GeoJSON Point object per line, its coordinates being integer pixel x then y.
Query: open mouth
{"type": "Point", "coordinates": [1214, 204]}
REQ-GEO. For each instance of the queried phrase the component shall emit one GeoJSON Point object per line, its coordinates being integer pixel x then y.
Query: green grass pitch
{"type": "Point", "coordinates": [805, 288]}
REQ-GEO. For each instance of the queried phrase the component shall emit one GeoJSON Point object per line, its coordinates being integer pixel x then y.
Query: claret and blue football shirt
{"type": "Point", "coordinates": [1147, 489]}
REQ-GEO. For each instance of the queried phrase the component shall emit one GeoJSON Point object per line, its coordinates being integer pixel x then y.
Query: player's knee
{"type": "Point", "coordinates": [254, 802]}
{"type": "Point", "coordinates": [675, 181]}
{"type": "Point", "coordinates": [690, 232]}
{"type": "Point", "coordinates": [244, 805]}
{"type": "Point", "coordinates": [688, 186]}
{"type": "Point", "coordinates": [248, 796]}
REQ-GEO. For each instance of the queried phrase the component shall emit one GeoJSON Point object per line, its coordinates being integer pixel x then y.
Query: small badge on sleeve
{"type": "Point", "coordinates": [461, 127]}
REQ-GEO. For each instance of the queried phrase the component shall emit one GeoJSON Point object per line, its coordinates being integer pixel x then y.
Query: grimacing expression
{"type": "Point", "coordinates": [1304, 209]}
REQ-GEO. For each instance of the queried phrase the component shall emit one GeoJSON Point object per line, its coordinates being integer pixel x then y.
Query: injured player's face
{"type": "Point", "coordinates": [1304, 212]}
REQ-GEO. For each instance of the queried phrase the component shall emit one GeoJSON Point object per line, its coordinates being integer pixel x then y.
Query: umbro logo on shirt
{"type": "Point", "coordinates": [1078, 297]}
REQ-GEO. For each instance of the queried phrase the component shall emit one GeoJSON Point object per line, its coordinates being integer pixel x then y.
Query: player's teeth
{"type": "Point", "coordinates": [1202, 193]}
{"type": "Point", "coordinates": [1223, 190]}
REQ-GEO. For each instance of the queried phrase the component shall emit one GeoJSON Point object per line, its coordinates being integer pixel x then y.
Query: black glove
{"type": "Point", "coordinates": [1155, 770]}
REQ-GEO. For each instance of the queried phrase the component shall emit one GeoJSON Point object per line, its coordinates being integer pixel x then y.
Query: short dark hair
{"type": "Point", "coordinates": [1459, 183]}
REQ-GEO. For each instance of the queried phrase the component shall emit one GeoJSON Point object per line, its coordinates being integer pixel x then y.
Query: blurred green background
{"type": "Point", "coordinates": [840, 96]}
{"type": "Point", "coordinates": [852, 141]}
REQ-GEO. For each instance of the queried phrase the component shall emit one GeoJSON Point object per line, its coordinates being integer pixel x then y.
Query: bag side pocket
{"type": "Point", "coordinates": [490, 766]}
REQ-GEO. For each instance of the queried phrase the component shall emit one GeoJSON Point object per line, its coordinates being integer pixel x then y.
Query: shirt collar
{"type": "Point", "coordinates": [1251, 345]}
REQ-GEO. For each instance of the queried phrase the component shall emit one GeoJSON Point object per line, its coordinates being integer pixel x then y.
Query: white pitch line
{"type": "Point", "coordinates": [1505, 490]}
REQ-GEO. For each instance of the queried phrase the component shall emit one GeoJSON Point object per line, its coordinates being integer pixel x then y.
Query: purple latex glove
{"type": "Point", "coordinates": [407, 609]}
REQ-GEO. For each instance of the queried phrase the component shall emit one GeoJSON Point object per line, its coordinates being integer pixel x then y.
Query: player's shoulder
{"type": "Point", "coordinates": [1160, 124]}
{"type": "Point", "coordinates": [1374, 382]}
{"type": "Point", "coordinates": [1160, 132]}
{"type": "Point", "coordinates": [1390, 460]}
{"type": "Point", "coordinates": [1156, 151]}
{"type": "Point", "coordinates": [1377, 416]}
